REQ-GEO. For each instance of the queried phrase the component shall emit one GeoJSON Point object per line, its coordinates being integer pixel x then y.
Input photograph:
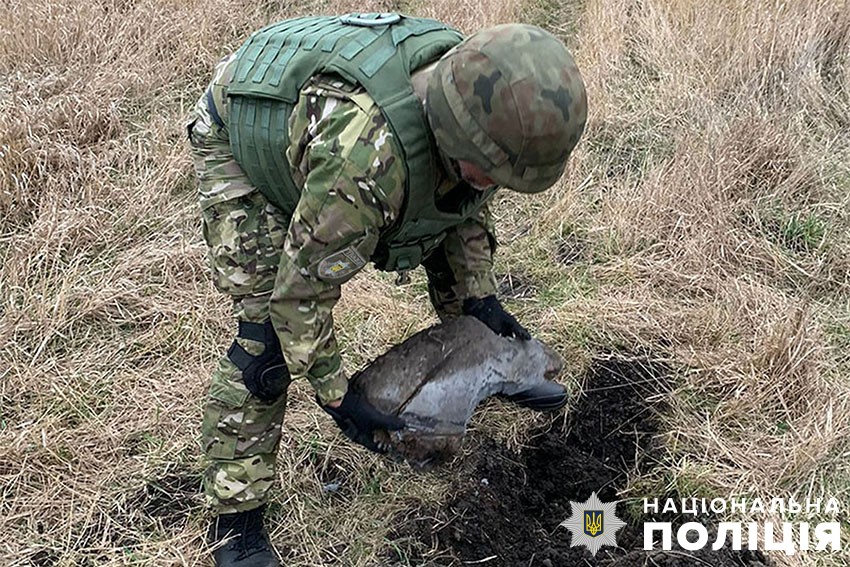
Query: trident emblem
{"type": "Point", "coordinates": [593, 522]}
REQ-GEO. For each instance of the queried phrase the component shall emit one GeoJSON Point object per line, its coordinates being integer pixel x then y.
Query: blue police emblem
{"type": "Point", "coordinates": [593, 522]}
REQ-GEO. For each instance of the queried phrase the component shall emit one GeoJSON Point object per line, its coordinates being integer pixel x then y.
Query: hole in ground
{"type": "Point", "coordinates": [167, 500]}
{"type": "Point", "coordinates": [507, 507]}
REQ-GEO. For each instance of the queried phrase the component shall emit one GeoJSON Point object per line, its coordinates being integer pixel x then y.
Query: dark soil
{"type": "Point", "coordinates": [507, 507]}
{"type": "Point", "coordinates": [166, 501]}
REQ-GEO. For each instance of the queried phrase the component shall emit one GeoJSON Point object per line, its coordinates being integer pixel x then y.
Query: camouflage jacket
{"type": "Point", "coordinates": [351, 177]}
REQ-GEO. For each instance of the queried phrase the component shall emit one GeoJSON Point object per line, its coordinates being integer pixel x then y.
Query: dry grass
{"type": "Point", "coordinates": [704, 218]}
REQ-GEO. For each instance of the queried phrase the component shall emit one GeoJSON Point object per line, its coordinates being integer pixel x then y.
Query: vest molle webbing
{"type": "Point", "coordinates": [376, 51]}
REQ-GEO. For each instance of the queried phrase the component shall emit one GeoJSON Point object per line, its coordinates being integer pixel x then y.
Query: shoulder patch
{"type": "Point", "coordinates": [340, 265]}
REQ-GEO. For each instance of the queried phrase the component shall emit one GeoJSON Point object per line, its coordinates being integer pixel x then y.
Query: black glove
{"type": "Point", "coordinates": [489, 311]}
{"type": "Point", "coordinates": [359, 420]}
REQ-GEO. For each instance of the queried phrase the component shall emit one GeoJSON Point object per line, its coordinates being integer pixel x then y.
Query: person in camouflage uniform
{"type": "Point", "coordinates": [505, 107]}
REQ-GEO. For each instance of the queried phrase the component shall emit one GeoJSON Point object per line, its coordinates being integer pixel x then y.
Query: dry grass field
{"type": "Point", "coordinates": [705, 220]}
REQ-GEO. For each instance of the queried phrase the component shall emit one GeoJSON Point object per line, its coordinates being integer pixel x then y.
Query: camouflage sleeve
{"type": "Point", "coordinates": [352, 186]}
{"type": "Point", "coordinates": [462, 266]}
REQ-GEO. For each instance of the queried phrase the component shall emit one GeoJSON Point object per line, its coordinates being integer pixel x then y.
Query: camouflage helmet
{"type": "Point", "coordinates": [510, 100]}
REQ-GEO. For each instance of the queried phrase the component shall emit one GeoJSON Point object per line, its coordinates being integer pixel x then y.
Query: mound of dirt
{"type": "Point", "coordinates": [507, 507]}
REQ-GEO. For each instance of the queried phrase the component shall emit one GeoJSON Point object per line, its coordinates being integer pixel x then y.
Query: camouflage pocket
{"type": "Point", "coordinates": [229, 393]}
{"type": "Point", "coordinates": [220, 177]}
{"type": "Point", "coordinates": [236, 424]}
{"type": "Point", "coordinates": [224, 412]}
{"type": "Point", "coordinates": [245, 241]}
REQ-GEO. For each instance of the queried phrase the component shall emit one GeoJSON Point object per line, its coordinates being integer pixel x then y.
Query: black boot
{"type": "Point", "coordinates": [543, 397]}
{"type": "Point", "coordinates": [246, 541]}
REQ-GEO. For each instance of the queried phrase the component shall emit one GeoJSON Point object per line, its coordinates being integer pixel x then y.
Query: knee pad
{"type": "Point", "coordinates": [266, 376]}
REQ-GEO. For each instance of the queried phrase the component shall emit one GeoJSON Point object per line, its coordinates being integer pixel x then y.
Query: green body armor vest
{"type": "Point", "coordinates": [376, 51]}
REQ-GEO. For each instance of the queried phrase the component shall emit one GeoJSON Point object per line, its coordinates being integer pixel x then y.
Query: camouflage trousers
{"type": "Point", "coordinates": [245, 234]}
